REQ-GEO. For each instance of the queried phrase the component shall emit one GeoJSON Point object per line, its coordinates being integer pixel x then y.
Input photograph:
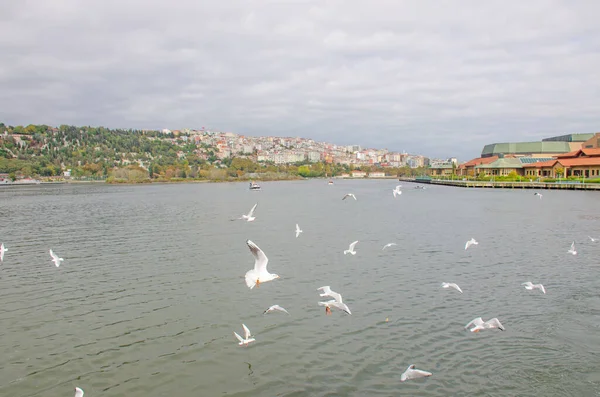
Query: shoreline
{"type": "Point", "coordinates": [507, 185]}
{"type": "Point", "coordinates": [182, 181]}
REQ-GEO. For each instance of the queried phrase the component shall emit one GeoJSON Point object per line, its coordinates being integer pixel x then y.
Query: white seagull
{"type": "Point", "coordinates": [529, 285]}
{"type": "Point", "coordinates": [538, 194]}
{"type": "Point", "coordinates": [250, 217]}
{"type": "Point", "coordinates": [247, 336]}
{"type": "Point", "coordinates": [275, 307]}
{"type": "Point", "coordinates": [470, 243]}
{"type": "Point", "coordinates": [413, 373]}
{"type": "Point", "coordinates": [78, 392]}
{"type": "Point", "coordinates": [397, 191]}
{"type": "Point", "coordinates": [349, 195]}
{"type": "Point", "coordinates": [336, 302]}
{"type": "Point", "coordinates": [453, 285]}
{"type": "Point", "coordinates": [350, 249]}
{"type": "Point", "coordinates": [593, 240]}
{"type": "Point", "coordinates": [298, 231]}
{"type": "Point", "coordinates": [56, 259]}
{"type": "Point", "coordinates": [388, 245]}
{"type": "Point", "coordinates": [572, 249]}
{"type": "Point", "coordinates": [259, 274]}
{"type": "Point", "coordinates": [478, 324]}
{"type": "Point", "coordinates": [338, 305]}
{"type": "Point", "coordinates": [2, 251]}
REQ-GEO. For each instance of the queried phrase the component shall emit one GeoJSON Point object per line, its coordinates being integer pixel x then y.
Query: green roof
{"type": "Point", "coordinates": [523, 148]}
{"type": "Point", "coordinates": [503, 163]}
{"type": "Point", "coordinates": [570, 138]}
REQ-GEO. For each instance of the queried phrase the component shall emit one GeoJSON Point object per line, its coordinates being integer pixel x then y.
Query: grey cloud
{"type": "Point", "coordinates": [438, 78]}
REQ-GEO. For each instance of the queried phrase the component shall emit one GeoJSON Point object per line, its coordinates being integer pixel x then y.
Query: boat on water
{"type": "Point", "coordinates": [254, 186]}
{"type": "Point", "coordinates": [330, 182]}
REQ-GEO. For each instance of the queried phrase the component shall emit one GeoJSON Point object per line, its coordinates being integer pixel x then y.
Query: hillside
{"type": "Point", "coordinates": [41, 151]}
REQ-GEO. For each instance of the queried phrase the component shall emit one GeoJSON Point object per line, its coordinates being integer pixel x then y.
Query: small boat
{"type": "Point", "coordinates": [330, 182]}
{"type": "Point", "coordinates": [254, 186]}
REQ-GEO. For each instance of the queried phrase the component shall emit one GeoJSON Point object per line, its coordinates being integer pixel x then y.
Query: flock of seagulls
{"type": "Point", "coordinates": [259, 274]}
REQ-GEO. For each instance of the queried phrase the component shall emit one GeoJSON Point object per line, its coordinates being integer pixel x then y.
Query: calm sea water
{"type": "Point", "coordinates": [151, 290]}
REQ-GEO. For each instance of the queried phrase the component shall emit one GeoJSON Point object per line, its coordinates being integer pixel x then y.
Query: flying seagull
{"type": "Point", "coordinates": [298, 231]}
{"type": "Point", "coordinates": [338, 305]}
{"type": "Point", "coordinates": [470, 243]}
{"type": "Point", "coordinates": [2, 251]}
{"type": "Point", "coordinates": [397, 191]}
{"type": "Point", "coordinates": [350, 249]}
{"type": "Point", "coordinates": [572, 249]}
{"type": "Point", "coordinates": [388, 245]}
{"type": "Point", "coordinates": [250, 217]}
{"type": "Point", "coordinates": [259, 274]}
{"type": "Point", "coordinates": [349, 195]}
{"type": "Point", "coordinates": [452, 285]}
{"type": "Point", "coordinates": [78, 392]}
{"type": "Point", "coordinates": [538, 194]}
{"type": "Point", "coordinates": [413, 373]}
{"type": "Point", "coordinates": [247, 336]}
{"type": "Point", "coordinates": [529, 285]}
{"type": "Point", "coordinates": [275, 307]}
{"type": "Point", "coordinates": [336, 302]}
{"type": "Point", "coordinates": [56, 259]}
{"type": "Point", "coordinates": [593, 240]}
{"type": "Point", "coordinates": [478, 324]}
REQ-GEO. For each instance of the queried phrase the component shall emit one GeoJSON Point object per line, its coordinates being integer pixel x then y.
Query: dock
{"type": "Point", "coordinates": [506, 185]}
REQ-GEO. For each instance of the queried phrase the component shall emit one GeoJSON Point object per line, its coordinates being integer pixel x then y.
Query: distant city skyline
{"type": "Point", "coordinates": [438, 79]}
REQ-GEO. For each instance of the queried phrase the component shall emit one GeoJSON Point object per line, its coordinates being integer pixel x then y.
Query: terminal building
{"type": "Point", "coordinates": [564, 155]}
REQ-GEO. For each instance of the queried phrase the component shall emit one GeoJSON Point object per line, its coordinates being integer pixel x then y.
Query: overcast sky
{"type": "Point", "coordinates": [432, 77]}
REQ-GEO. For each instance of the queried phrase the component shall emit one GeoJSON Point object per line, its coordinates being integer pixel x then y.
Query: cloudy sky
{"type": "Point", "coordinates": [440, 78]}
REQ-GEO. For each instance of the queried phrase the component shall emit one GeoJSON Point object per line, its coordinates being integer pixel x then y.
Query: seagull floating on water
{"type": "Point", "coordinates": [247, 336]}
{"type": "Point", "coordinates": [298, 231]}
{"type": "Point", "coordinates": [350, 249]}
{"type": "Point", "coordinates": [593, 239]}
{"type": "Point", "coordinates": [397, 191]}
{"type": "Point", "coordinates": [470, 243]}
{"type": "Point", "coordinates": [452, 285]}
{"type": "Point", "coordinates": [259, 274]}
{"type": "Point", "coordinates": [529, 285]}
{"type": "Point", "coordinates": [78, 392]}
{"type": "Point", "coordinates": [478, 324]}
{"type": "Point", "coordinates": [388, 245]}
{"type": "Point", "coordinates": [275, 307]}
{"type": "Point", "coordinates": [250, 216]}
{"type": "Point", "coordinates": [413, 373]}
{"type": "Point", "coordinates": [56, 259]}
{"type": "Point", "coordinates": [572, 249]}
{"type": "Point", "coordinates": [336, 302]}
{"type": "Point", "coordinates": [2, 251]}
{"type": "Point", "coordinates": [349, 195]}
{"type": "Point", "coordinates": [538, 194]}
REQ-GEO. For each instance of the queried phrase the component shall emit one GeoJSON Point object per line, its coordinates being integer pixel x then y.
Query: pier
{"type": "Point", "coordinates": [506, 185]}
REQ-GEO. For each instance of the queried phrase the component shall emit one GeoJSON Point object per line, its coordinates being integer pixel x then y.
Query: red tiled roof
{"type": "Point", "coordinates": [579, 152]}
{"type": "Point", "coordinates": [479, 161]}
{"type": "Point", "coordinates": [541, 164]}
{"type": "Point", "coordinates": [591, 152]}
{"type": "Point", "coordinates": [580, 161]}
{"type": "Point", "coordinates": [572, 162]}
{"type": "Point", "coordinates": [574, 153]}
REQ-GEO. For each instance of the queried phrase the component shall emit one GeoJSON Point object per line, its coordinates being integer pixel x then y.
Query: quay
{"type": "Point", "coordinates": [506, 185]}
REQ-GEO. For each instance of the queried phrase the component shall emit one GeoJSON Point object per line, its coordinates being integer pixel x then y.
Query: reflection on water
{"type": "Point", "coordinates": [152, 288]}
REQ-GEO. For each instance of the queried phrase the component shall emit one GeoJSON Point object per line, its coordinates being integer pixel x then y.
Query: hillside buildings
{"type": "Point", "coordinates": [288, 150]}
